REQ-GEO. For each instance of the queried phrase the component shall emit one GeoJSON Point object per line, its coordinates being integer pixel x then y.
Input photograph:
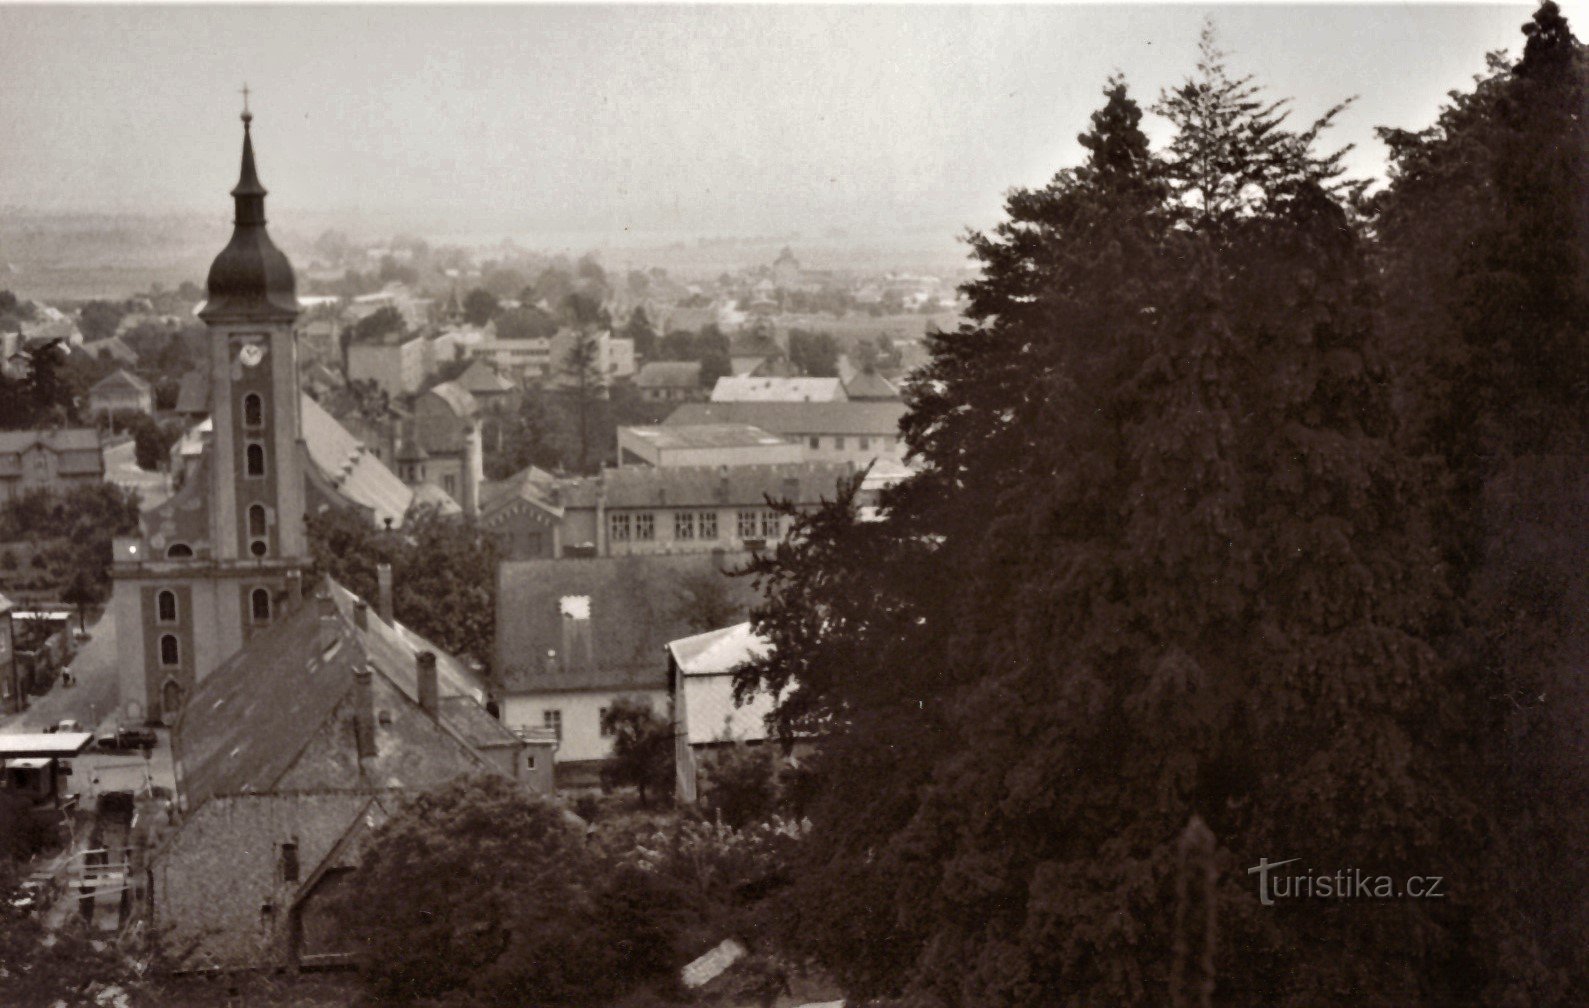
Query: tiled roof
{"type": "Point", "coordinates": [734, 388]}
{"type": "Point", "coordinates": [247, 721]}
{"type": "Point", "coordinates": [352, 471]}
{"type": "Point", "coordinates": [641, 486]}
{"type": "Point", "coordinates": [428, 494]}
{"type": "Point", "coordinates": [669, 374]}
{"type": "Point", "coordinates": [634, 611]}
{"type": "Point", "coordinates": [875, 419]}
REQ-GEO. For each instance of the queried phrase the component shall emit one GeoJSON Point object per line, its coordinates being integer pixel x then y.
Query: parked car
{"type": "Point", "coordinates": [65, 725]}
{"type": "Point", "coordinates": [129, 738]}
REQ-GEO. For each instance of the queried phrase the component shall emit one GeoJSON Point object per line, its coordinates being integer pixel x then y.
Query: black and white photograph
{"type": "Point", "coordinates": [775, 505]}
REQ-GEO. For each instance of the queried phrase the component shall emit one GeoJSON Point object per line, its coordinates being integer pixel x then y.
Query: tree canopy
{"type": "Point", "coordinates": [1179, 589]}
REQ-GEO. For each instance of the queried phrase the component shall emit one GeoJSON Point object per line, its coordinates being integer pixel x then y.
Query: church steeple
{"type": "Point", "coordinates": [251, 280]}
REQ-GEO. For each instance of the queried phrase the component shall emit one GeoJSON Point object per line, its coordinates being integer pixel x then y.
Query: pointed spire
{"type": "Point", "coordinates": [250, 279]}
{"type": "Point", "coordinates": [248, 194]}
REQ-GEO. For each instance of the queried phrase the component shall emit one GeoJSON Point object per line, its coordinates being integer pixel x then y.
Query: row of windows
{"type": "Point", "coordinates": [258, 605]}
{"type": "Point", "coordinates": [864, 443]}
{"type": "Point", "coordinates": [553, 719]}
{"type": "Point", "coordinates": [761, 523]}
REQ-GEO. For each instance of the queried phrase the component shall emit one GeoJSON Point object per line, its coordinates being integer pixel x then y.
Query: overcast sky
{"type": "Point", "coordinates": [658, 120]}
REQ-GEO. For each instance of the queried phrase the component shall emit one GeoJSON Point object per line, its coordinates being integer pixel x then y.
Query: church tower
{"type": "Point", "coordinates": [256, 483]}
{"type": "Point", "coordinates": [223, 557]}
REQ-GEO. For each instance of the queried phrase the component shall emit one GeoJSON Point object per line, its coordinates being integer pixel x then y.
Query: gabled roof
{"type": "Point", "coordinates": [635, 609]}
{"type": "Point", "coordinates": [744, 388]}
{"type": "Point", "coordinates": [248, 720]}
{"type": "Point", "coordinates": [669, 374]}
{"type": "Point", "coordinates": [479, 378]}
{"type": "Point", "coordinates": [718, 652]}
{"type": "Point", "coordinates": [869, 385]}
{"type": "Point", "coordinates": [874, 419]}
{"type": "Point", "coordinates": [352, 471]}
{"type": "Point", "coordinates": [457, 398]}
{"type": "Point", "coordinates": [78, 448]}
{"type": "Point", "coordinates": [428, 494]}
{"type": "Point", "coordinates": [529, 484]}
{"type": "Point", "coordinates": [111, 346]}
{"type": "Point", "coordinates": [120, 378]}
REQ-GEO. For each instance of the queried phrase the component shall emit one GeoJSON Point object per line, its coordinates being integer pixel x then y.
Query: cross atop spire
{"type": "Point", "coordinates": [247, 115]}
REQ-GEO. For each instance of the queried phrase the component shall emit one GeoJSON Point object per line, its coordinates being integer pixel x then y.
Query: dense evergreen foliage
{"type": "Point", "coordinates": [1242, 534]}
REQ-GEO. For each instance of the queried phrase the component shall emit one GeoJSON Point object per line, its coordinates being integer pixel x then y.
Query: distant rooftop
{"type": "Point", "coordinates": [724, 435]}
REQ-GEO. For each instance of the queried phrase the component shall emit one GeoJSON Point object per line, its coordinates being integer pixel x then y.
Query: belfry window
{"type": "Point", "coordinates": [253, 411]}
{"type": "Point", "coordinates": [170, 653]}
{"type": "Point", "coordinates": [256, 521]}
{"type": "Point", "coordinates": [166, 606]}
{"type": "Point", "coordinates": [254, 459]}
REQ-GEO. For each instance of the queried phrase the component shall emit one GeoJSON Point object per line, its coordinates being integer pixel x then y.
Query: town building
{"type": "Point", "coordinates": [645, 510]}
{"type": "Point", "coordinates": [397, 364]}
{"type": "Point", "coordinates": [855, 432]}
{"type": "Point", "coordinates": [575, 635]}
{"type": "Point", "coordinates": [489, 389]}
{"type": "Point", "coordinates": [705, 445]}
{"type": "Point", "coordinates": [57, 459]}
{"type": "Point", "coordinates": [521, 360]}
{"type": "Point", "coordinates": [291, 753]}
{"type": "Point", "coordinates": [706, 714]}
{"type": "Point", "coordinates": [119, 393]}
{"type": "Point", "coordinates": [669, 381]}
{"type": "Point", "coordinates": [446, 428]}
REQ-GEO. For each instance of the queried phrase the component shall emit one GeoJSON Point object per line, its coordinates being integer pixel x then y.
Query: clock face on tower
{"type": "Point", "coordinates": [249, 351]}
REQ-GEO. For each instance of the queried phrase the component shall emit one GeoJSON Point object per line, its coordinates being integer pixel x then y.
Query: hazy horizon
{"type": "Point", "coordinates": [635, 126]}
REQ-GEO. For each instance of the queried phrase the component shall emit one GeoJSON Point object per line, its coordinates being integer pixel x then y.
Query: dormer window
{"type": "Point", "coordinates": [253, 411]}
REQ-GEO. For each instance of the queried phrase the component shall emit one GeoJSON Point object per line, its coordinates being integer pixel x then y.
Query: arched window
{"type": "Point", "coordinates": [171, 696]}
{"type": "Point", "coordinates": [259, 604]}
{"type": "Point", "coordinates": [165, 605]}
{"type": "Point", "coordinates": [256, 521]}
{"type": "Point", "coordinates": [253, 411]}
{"type": "Point", "coordinates": [179, 551]}
{"type": "Point", "coordinates": [255, 459]}
{"type": "Point", "coordinates": [170, 654]}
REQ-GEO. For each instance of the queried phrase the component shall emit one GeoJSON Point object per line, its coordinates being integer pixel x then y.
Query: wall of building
{"type": "Point", "coordinates": [581, 716]}
{"type": "Point", "coordinates": [858, 449]}
{"type": "Point", "coordinates": [397, 368]}
{"type": "Point", "coordinates": [40, 469]}
{"type": "Point", "coordinates": [580, 526]}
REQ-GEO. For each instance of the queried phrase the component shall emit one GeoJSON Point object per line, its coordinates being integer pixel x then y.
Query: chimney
{"type": "Point", "coordinates": [722, 484]}
{"type": "Point", "coordinates": [425, 666]}
{"type": "Point", "coordinates": [383, 591]}
{"type": "Point", "coordinates": [473, 471]}
{"type": "Point", "coordinates": [361, 614]}
{"type": "Point", "coordinates": [364, 710]}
